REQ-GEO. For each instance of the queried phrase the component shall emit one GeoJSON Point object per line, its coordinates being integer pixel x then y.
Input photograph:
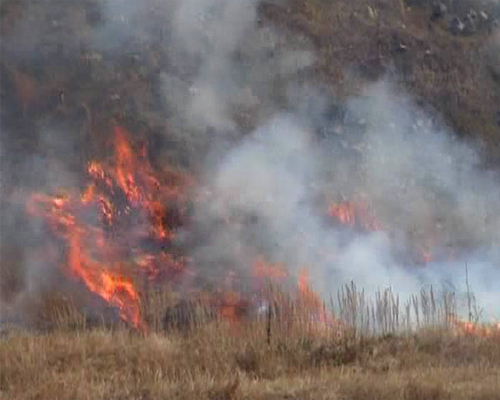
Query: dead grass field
{"type": "Point", "coordinates": [217, 363]}
{"type": "Point", "coordinates": [256, 358]}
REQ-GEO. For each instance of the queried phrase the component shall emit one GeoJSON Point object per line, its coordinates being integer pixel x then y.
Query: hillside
{"type": "Point", "coordinates": [453, 71]}
{"type": "Point", "coordinates": [101, 64]}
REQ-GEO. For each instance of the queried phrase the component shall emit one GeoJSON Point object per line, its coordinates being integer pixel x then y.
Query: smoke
{"type": "Point", "coordinates": [422, 183]}
{"type": "Point", "coordinates": [231, 68]}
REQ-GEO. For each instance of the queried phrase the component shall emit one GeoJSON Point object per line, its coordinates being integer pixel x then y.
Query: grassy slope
{"type": "Point", "coordinates": [356, 45]}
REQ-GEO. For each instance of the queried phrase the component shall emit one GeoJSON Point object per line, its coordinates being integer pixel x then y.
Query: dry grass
{"type": "Point", "coordinates": [217, 363]}
{"type": "Point", "coordinates": [219, 360]}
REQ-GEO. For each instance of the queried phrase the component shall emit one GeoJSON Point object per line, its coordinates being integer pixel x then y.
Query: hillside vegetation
{"type": "Point", "coordinates": [451, 70]}
{"type": "Point", "coordinates": [454, 73]}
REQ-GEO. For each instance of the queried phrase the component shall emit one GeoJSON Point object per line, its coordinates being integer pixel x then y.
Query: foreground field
{"type": "Point", "coordinates": [219, 362]}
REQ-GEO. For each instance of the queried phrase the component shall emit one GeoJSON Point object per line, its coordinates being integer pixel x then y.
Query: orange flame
{"type": "Point", "coordinates": [264, 272]}
{"type": "Point", "coordinates": [310, 298]}
{"type": "Point", "coordinates": [355, 213]}
{"type": "Point", "coordinates": [112, 287]}
{"type": "Point", "coordinates": [231, 307]}
{"type": "Point", "coordinates": [124, 193]}
{"type": "Point", "coordinates": [358, 214]}
{"type": "Point", "coordinates": [426, 253]}
{"type": "Point", "coordinates": [468, 328]}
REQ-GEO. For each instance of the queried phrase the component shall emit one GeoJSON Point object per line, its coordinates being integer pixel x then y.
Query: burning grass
{"type": "Point", "coordinates": [118, 239]}
{"type": "Point", "coordinates": [131, 202]}
{"type": "Point", "coordinates": [273, 341]}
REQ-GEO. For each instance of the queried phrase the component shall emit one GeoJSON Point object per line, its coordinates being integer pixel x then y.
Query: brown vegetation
{"type": "Point", "coordinates": [361, 41]}
{"type": "Point", "coordinates": [214, 362]}
{"type": "Point", "coordinates": [299, 359]}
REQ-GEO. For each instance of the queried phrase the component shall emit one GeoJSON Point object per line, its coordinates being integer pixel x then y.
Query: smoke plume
{"type": "Point", "coordinates": [421, 182]}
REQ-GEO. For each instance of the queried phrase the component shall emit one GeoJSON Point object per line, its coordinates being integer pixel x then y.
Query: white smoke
{"type": "Point", "coordinates": [274, 179]}
{"type": "Point", "coordinates": [422, 183]}
{"type": "Point", "coordinates": [411, 169]}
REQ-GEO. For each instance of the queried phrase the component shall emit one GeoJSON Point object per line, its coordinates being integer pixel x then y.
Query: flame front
{"type": "Point", "coordinates": [310, 299]}
{"type": "Point", "coordinates": [124, 204]}
{"type": "Point", "coordinates": [123, 223]}
{"type": "Point", "coordinates": [469, 328]}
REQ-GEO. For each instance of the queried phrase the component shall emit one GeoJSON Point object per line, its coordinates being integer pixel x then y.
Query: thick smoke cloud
{"type": "Point", "coordinates": [230, 65]}
{"type": "Point", "coordinates": [207, 64]}
{"type": "Point", "coordinates": [420, 181]}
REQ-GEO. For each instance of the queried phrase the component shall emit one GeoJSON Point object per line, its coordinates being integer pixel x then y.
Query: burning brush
{"type": "Point", "coordinates": [119, 237]}
{"type": "Point", "coordinates": [121, 227]}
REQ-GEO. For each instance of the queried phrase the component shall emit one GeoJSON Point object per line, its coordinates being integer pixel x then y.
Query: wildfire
{"type": "Point", "coordinates": [124, 204]}
{"type": "Point", "coordinates": [122, 225]}
{"type": "Point", "coordinates": [232, 307]}
{"type": "Point", "coordinates": [468, 328]}
{"type": "Point", "coordinates": [264, 271]}
{"type": "Point", "coordinates": [310, 299]}
{"type": "Point", "coordinates": [426, 253]}
{"type": "Point", "coordinates": [355, 214]}
{"type": "Point", "coordinates": [359, 215]}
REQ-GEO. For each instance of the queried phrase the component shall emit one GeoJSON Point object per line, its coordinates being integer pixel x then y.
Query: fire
{"type": "Point", "coordinates": [426, 253]}
{"type": "Point", "coordinates": [469, 328]}
{"type": "Point", "coordinates": [232, 307]}
{"type": "Point", "coordinates": [360, 215]}
{"type": "Point", "coordinates": [310, 299]}
{"type": "Point", "coordinates": [111, 286]}
{"type": "Point", "coordinates": [264, 272]}
{"type": "Point", "coordinates": [124, 204]}
{"type": "Point", "coordinates": [355, 214]}
{"type": "Point", "coordinates": [123, 223]}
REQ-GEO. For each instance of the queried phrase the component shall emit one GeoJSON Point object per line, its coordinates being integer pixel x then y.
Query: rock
{"type": "Point", "coordinates": [401, 48]}
{"type": "Point", "coordinates": [469, 25]}
{"type": "Point", "coordinates": [456, 26]}
{"type": "Point", "coordinates": [438, 10]}
{"type": "Point", "coordinates": [372, 12]}
{"type": "Point", "coordinates": [398, 45]}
